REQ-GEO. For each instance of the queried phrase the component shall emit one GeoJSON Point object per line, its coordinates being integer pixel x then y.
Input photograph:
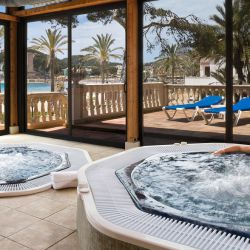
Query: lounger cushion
{"type": "Point", "coordinates": [242, 105]}
{"type": "Point", "coordinates": [204, 103]}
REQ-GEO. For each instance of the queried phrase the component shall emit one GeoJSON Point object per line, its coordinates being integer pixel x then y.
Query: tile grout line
{"type": "Point", "coordinates": [45, 216]}
{"type": "Point", "coordinates": [61, 239]}
{"type": "Point", "coordinates": [18, 243]}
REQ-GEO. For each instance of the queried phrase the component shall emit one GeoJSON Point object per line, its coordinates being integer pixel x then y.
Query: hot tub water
{"type": "Point", "coordinates": [201, 186]}
{"type": "Point", "coordinates": [21, 163]}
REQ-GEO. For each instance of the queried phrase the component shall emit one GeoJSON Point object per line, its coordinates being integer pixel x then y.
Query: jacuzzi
{"type": "Point", "coordinates": [109, 218]}
{"type": "Point", "coordinates": [25, 168]}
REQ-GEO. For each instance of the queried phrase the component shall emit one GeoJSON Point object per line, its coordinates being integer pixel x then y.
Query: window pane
{"type": "Point", "coordinates": [98, 75]}
{"type": "Point", "coordinates": [2, 79]}
{"type": "Point", "coordinates": [47, 88]}
{"type": "Point", "coordinates": [184, 63]}
{"type": "Point", "coordinates": [241, 73]}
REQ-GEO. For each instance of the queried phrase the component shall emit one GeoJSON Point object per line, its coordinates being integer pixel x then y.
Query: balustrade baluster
{"type": "Point", "coordinates": [56, 109]}
{"type": "Point", "coordinates": [98, 106]}
{"type": "Point", "coordinates": [103, 105]}
{"type": "Point", "coordinates": [119, 94]}
{"type": "Point", "coordinates": [43, 113]}
{"type": "Point", "coordinates": [50, 110]}
{"type": "Point", "coordinates": [36, 115]}
{"type": "Point", "coordinates": [83, 98]}
{"type": "Point", "coordinates": [113, 104]}
{"type": "Point", "coordinates": [29, 110]}
{"type": "Point", "coordinates": [182, 95]}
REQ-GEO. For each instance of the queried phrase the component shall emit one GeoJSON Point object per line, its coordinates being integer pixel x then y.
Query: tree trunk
{"type": "Point", "coordinates": [239, 64]}
{"type": "Point", "coordinates": [173, 72]}
{"type": "Point", "coordinates": [52, 73]}
{"type": "Point", "coordinates": [102, 72]}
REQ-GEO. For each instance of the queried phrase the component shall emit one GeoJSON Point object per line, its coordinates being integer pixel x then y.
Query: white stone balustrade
{"type": "Point", "coordinates": [46, 110]}
{"type": "Point", "coordinates": [179, 94]}
{"type": "Point", "coordinates": [97, 102]}
{"type": "Point", "coordinates": [106, 101]}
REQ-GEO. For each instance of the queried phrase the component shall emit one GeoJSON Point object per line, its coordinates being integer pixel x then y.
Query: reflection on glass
{"type": "Point", "coordinates": [2, 79]}
{"type": "Point", "coordinates": [184, 61]}
{"type": "Point", "coordinates": [47, 88]}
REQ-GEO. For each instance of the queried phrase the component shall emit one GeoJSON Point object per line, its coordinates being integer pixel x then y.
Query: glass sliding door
{"type": "Point", "coordinates": [241, 71]}
{"type": "Point", "coordinates": [3, 80]}
{"type": "Point", "coordinates": [183, 64]}
{"type": "Point", "coordinates": [98, 76]}
{"type": "Point", "coordinates": [47, 79]}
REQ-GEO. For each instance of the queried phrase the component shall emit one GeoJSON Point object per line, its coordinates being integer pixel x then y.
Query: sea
{"type": "Point", "coordinates": [34, 87]}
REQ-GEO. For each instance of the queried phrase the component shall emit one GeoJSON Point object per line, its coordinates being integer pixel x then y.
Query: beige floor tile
{"type": "Point", "coordinates": [93, 148]}
{"type": "Point", "coordinates": [69, 243]}
{"type": "Point", "coordinates": [3, 209]}
{"type": "Point", "coordinates": [67, 196]}
{"type": "Point", "coordinates": [65, 218]}
{"type": "Point", "coordinates": [102, 155]}
{"type": "Point", "coordinates": [7, 244]}
{"type": "Point", "coordinates": [41, 235]}
{"type": "Point", "coordinates": [43, 207]}
{"type": "Point", "coordinates": [12, 221]}
{"type": "Point", "coordinates": [15, 202]}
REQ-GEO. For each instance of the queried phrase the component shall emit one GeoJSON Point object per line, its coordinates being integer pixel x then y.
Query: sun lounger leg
{"type": "Point", "coordinates": [170, 117]}
{"type": "Point", "coordinates": [195, 113]}
{"type": "Point", "coordinates": [237, 118]}
{"type": "Point", "coordinates": [207, 121]}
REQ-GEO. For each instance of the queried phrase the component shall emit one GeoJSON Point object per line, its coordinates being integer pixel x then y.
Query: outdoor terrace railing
{"type": "Point", "coordinates": [156, 95]}
{"type": "Point", "coordinates": [98, 101]}
{"type": "Point", "coordinates": [46, 110]}
{"type": "Point", "coordinates": [107, 101]}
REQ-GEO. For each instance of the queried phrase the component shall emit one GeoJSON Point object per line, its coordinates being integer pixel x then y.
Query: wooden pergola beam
{"type": "Point", "coordinates": [132, 72]}
{"type": "Point", "coordinates": [7, 17]}
{"type": "Point", "coordinates": [61, 7]}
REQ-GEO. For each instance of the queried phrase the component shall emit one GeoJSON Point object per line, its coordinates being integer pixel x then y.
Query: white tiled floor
{"type": "Point", "coordinates": [46, 220]}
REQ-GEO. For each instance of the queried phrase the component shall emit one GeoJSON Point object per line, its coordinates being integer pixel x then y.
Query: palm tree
{"type": "Point", "coordinates": [220, 75]}
{"type": "Point", "coordinates": [241, 37]}
{"type": "Point", "coordinates": [170, 57]}
{"type": "Point", "coordinates": [51, 44]}
{"type": "Point", "coordinates": [102, 52]}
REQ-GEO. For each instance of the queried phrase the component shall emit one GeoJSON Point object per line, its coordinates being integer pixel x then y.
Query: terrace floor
{"type": "Point", "coordinates": [156, 124]}
{"type": "Point", "coordinates": [46, 220]}
{"type": "Point", "coordinates": [159, 130]}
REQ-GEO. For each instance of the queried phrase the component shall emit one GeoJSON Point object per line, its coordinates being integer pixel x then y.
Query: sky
{"type": "Point", "coordinates": [82, 35]}
{"type": "Point", "coordinates": [202, 9]}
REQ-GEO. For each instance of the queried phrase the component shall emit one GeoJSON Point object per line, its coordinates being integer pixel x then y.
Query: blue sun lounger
{"type": "Point", "coordinates": [238, 108]}
{"type": "Point", "coordinates": [203, 103]}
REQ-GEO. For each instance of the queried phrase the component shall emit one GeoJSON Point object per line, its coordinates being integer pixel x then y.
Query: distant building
{"type": "Point", "coordinates": [207, 66]}
{"type": "Point", "coordinates": [31, 73]}
{"type": "Point", "coordinates": [30, 65]}
{"type": "Point", "coordinates": [119, 71]}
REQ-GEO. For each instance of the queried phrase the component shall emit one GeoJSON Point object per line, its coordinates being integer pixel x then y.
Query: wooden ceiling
{"type": "Point", "coordinates": [19, 3]}
{"type": "Point", "coordinates": [76, 4]}
{"type": "Point", "coordinates": [55, 8]}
